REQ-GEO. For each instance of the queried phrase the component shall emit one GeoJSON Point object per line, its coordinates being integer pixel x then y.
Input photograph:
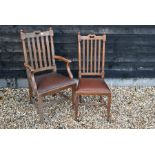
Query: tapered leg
{"type": "Point", "coordinates": [30, 94]}
{"type": "Point", "coordinates": [108, 107]}
{"type": "Point", "coordinates": [76, 107]}
{"type": "Point", "coordinates": [95, 105]}
{"type": "Point", "coordinates": [73, 96]}
{"type": "Point", "coordinates": [40, 109]}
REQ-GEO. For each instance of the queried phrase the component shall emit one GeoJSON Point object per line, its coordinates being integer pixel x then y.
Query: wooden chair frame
{"type": "Point", "coordinates": [91, 60]}
{"type": "Point", "coordinates": [32, 44]}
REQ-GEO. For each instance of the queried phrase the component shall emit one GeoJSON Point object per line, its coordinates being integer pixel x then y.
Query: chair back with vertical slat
{"type": "Point", "coordinates": [38, 50]}
{"type": "Point", "coordinates": [91, 55]}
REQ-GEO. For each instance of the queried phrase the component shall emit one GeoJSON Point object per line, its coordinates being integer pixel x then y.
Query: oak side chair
{"type": "Point", "coordinates": [39, 55]}
{"type": "Point", "coordinates": [91, 59]}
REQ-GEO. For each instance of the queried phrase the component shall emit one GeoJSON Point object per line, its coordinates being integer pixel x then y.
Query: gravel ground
{"type": "Point", "coordinates": [132, 107]}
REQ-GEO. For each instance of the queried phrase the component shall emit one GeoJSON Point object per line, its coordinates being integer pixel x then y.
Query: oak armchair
{"type": "Point", "coordinates": [39, 56]}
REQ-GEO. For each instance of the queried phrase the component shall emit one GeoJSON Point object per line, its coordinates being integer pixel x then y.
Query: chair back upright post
{"type": "Point", "coordinates": [38, 50]}
{"type": "Point", "coordinates": [91, 55]}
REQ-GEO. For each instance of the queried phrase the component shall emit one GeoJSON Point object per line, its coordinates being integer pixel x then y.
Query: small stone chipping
{"type": "Point", "coordinates": [132, 107]}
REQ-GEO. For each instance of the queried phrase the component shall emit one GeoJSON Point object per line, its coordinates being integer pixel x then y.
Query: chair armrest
{"type": "Point", "coordinates": [67, 64]}
{"type": "Point", "coordinates": [29, 67]}
{"type": "Point", "coordinates": [31, 78]}
{"type": "Point", "coordinates": [62, 59]}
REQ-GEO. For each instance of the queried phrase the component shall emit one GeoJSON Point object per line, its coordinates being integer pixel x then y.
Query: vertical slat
{"type": "Point", "coordinates": [103, 58]}
{"type": "Point", "coordinates": [52, 48]}
{"type": "Point", "coordinates": [95, 48]}
{"type": "Point", "coordinates": [99, 51]}
{"type": "Point", "coordinates": [83, 56]}
{"type": "Point", "coordinates": [48, 50]}
{"type": "Point", "coordinates": [30, 52]}
{"type": "Point", "coordinates": [87, 55]}
{"type": "Point", "coordinates": [91, 57]}
{"type": "Point", "coordinates": [39, 52]}
{"type": "Point", "coordinates": [43, 49]}
{"type": "Point", "coordinates": [35, 53]}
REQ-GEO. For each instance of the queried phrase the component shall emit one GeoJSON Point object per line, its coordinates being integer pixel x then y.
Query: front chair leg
{"type": "Point", "coordinates": [73, 96]}
{"type": "Point", "coordinates": [40, 108]}
{"type": "Point", "coordinates": [108, 107]}
{"type": "Point", "coordinates": [30, 94]}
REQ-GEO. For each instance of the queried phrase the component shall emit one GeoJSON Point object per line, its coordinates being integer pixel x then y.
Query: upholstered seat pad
{"type": "Point", "coordinates": [92, 86]}
{"type": "Point", "coordinates": [52, 81]}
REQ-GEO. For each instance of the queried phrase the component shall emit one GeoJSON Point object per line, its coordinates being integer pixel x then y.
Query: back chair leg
{"type": "Point", "coordinates": [108, 107]}
{"type": "Point", "coordinates": [80, 99]}
{"type": "Point", "coordinates": [76, 107]}
{"type": "Point", "coordinates": [40, 108]}
{"type": "Point", "coordinates": [102, 100]}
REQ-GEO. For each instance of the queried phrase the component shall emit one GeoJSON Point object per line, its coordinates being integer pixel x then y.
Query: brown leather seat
{"type": "Point", "coordinates": [92, 86]}
{"type": "Point", "coordinates": [52, 81]}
